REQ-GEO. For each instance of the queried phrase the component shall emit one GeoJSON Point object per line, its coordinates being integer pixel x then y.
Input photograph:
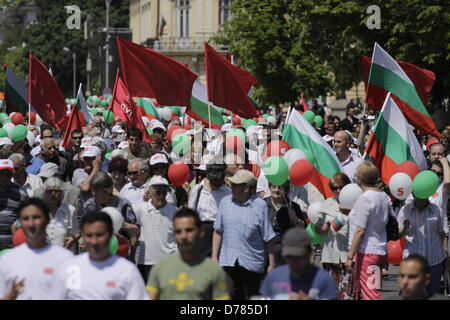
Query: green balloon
{"type": "Point", "coordinates": [225, 118]}
{"type": "Point", "coordinates": [108, 116]}
{"type": "Point", "coordinates": [113, 245]}
{"type": "Point", "coordinates": [309, 155]}
{"type": "Point", "coordinates": [4, 251]}
{"type": "Point", "coordinates": [318, 121]}
{"type": "Point", "coordinates": [175, 110]}
{"type": "Point", "coordinates": [236, 132]}
{"type": "Point", "coordinates": [19, 133]}
{"type": "Point", "coordinates": [3, 133]}
{"type": "Point", "coordinates": [90, 99]}
{"type": "Point", "coordinates": [276, 170]}
{"type": "Point", "coordinates": [315, 237]}
{"type": "Point", "coordinates": [425, 184]}
{"type": "Point", "coordinates": [7, 121]}
{"type": "Point", "coordinates": [94, 111]}
{"type": "Point", "coordinates": [67, 100]}
{"type": "Point", "coordinates": [309, 116]}
{"type": "Point", "coordinates": [181, 144]}
{"type": "Point", "coordinates": [249, 122]}
{"type": "Point", "coordinates": [108, 156]}
{"type": "Point", "coordinates": [2, 115]}
{"type": "Point", "coordinates": [98, 101]}
{"type": "Point", "coordinates": [265, 115]}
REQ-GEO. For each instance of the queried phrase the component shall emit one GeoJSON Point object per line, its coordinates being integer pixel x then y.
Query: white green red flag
{"type": "Point", "coordinates": [146, 108]}
{"type": "Point", "coordinates": [16, 93]}
{"type": "Point", "coordinates": [198, 107]}
{"type": "Point", "coordinates": [393, 141]}
{"type": "Point", "coordinates": [82, 106]}
{"type": "Point", "coordinates": [299, 133]}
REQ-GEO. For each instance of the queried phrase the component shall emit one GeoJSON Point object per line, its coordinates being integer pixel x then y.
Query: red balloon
{"type": "Point", "coordinates": [32, 117]}
{"type": "Point", "coordinates": [172, 131]}
{"type": "Point", "coordinates": [234, 144]}
{"type": "Point", "coordinates": [409, 168]}
{"type": "Point", "coordinates": [123, 246]}
{"type": "Point", "coordinates": [19, 238]}
{"type": "Point", "coordinates": [236, 120]}
{"type": "Point", "coordinates": [395, 252]}
{"type": "Point", "coordinates": [277, 148]}
{"type": "Point", "coordinates": [301, 172]}
{"type": "Point", "coordinates": [17, 118]}
{"type": "Point", "coordinates": [178, 173]}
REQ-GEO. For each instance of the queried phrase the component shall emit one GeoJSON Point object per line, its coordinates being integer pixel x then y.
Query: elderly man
{"type": "Point", "coordinates": [349, 161]}
{"type": "Point", "coordinates": [11, 195]}
{"type": "Point", "coordinates": [33, 164]}
{"type": "Point", "coordinates": [155, 217]}
{"type": "Point", "coordinates": [29, 182]}
{"type": "Point", "coordinates": [244, 236]}
{"type": "Point", "coordinates": [138, 173]}
{"type": "Point", "coordinates": [50, 153]}
{"type": "Point", "coordinates": [92, 164]}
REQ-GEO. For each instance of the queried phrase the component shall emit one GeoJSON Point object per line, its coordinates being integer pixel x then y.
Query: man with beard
{"type": "Point", "coordinates": [43, 257]}
{"type": "Point", "coordinates": [97, 274]}
{"type": "Point", "coordinates": [205, 199]}
{"type": "Point", "coordinates": [187, 274]}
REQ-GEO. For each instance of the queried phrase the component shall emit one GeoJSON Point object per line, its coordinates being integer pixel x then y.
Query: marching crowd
{"type": "Point", "coordinates": [104, 219]}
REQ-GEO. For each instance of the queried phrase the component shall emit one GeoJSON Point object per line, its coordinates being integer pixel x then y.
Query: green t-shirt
{"type": "Point", "coordinates": [174, 279]}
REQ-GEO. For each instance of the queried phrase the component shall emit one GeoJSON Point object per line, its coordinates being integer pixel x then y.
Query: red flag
{"type": "Point", "coordinates": [45, 95]}
{"type": "Point", "coordinates": [228, 85]}
{"type": "Point", "coordinates": [148, 73]}
{"type": "Point", "coordinates": [74, 123]}
{"type": "Point", "coordinates": [304, 104]}
{"type": "Point", "coordinates": [123, 107]}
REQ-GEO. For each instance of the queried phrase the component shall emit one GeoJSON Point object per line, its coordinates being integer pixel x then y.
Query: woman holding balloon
{"type": "Point", "coordinates": [367, 233]}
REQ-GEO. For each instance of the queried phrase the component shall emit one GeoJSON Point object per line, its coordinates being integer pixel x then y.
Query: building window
{"type": "Point", "coordinates": [224, 11]}
{"type": "Point", "coordinates": [183, 12]}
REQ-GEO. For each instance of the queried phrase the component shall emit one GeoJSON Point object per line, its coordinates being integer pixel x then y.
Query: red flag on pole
{"type": "Point", "coordinates": [228, 85]}
{"type": "Point", "coordinates": [45, 95]}
{"type": "Point", "coordinates": [150, 74]}
{"type": "Point", "coordinates": [74, 123]}
{"type": "Point", "coordinates": [122, 105]}
{"type": "Point", "coordinates": [304, 104]}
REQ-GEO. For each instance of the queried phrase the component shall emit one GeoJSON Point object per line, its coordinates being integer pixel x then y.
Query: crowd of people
{"type": "Point", "coordinates": [103, 219]}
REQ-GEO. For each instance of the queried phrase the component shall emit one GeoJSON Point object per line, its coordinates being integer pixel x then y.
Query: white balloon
{"type": "Point", "coordinates": [165, 113]}
{"type": "Point", "coordinates": [313, 212]}
{"type": "Point", "coordinates": [349, 194]}
{"type": "Point", "coordinates": [400, 185]}
{"type": "Point", "coordinates": [293, 156]}
{"type": "Point", "coordinates": [31, 137]}
{"type": "Point", "coordinates": [116, 218]}
{"type": "Point", "coordinates": [9, 128]}
{"type": "Point", "coordinates": [38, 121]}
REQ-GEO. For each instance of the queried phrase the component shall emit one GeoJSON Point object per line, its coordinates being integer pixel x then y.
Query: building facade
{"type": "Point", "coordinates": [178, 28]}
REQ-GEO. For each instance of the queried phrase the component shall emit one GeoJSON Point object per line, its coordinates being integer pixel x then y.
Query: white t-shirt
{"type": "Point", "coordinates": [63, 224]}
{"type": "Point", "coordinates": [371, 213]}
{"type": "Point", "coordinates": [36, 266]}
{"type": "Point", "coordinates": [81, 278]}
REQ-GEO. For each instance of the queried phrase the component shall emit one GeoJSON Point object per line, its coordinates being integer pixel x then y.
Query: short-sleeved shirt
{"type": "Point", "coordinates": [176, 279]}
{"type": "Point", "coordinates": [350, 164]}
{"type": "Point", "coordinates": [123, 205]}
{"type": "Point", "coordinates": [63, 224]}
{"type": "Point", "coordinates": [81, 278]}
{"type": "Point", "coordinates": [32, 183]}
{"type": "Point", "coordinates": [36, 266]}
{"type": "Point", "coordinates": [132, 193]}
{"type": "Point", "coordinates": [317, 284]}
{"type": "Point", "coordinates": [208, 201]}
{"type": "Point", "coordinates": [246, 228]}
{"type": "Point", "coordinates": [370, 212]}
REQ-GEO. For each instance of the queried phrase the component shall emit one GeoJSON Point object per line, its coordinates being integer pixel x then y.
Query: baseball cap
{"type": "Point", "coordinates": [226, 127]}
{"type": "Point", "coordinates": [158, 158]}
{"type": "Point", "coordinates": [6, 164]}
{"type": "Point", "coordinates": [296, 242]}
{"type": "Point", "coordinates": [157, 181]}
{"type": "Point", "coordinates": [117, 129]}
{"type": "Point", "coordinates": [155, 124]}
{"type": "Point", "coordinates": [123, 145]}
{"type": "Point", "coordinates": [242, 176]}
{"type": "Point", "coordinates": [48, 170]}
{"type": "Point", "coordinates": [91, 151]}
{"type": "Point", "coordinates": [86, 142]}
{"type": "Point", "coordinates": [5, 141]}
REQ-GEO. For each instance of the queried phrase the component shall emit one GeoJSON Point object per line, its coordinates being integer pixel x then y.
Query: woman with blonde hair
{"type": "Point", "coordinates": [367, 233]}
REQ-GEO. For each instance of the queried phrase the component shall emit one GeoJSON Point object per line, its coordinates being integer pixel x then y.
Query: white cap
{"type": "Point", "coordinates": [6, 164]}
{"type": "Point", "coordinates": [48, 170]}
{"type": "Point", "coordinates": [5, 141]}
{"type": "Point", "coordinates": [86, 142]}
{"type": "Point", "coordinates": [117, 129]}
{"type": "Point", "coordinates": [91, 151]}
{"type": "Point", "coordinates": [123, 145]}
{"type": "Point", "coordinates": [263, 121]}
{"type": "Point", "coordinates": [119, 153]}
{"type": "Point", "coordinates": [157, 181]}
{"type": "Point", "coordinates": [35, 151]}
{"type": "Point", "coordinates": [272, 121]}
{"type": "Point", "coordinates": [226, 127]}
{"type": "Point", "coordinates": [158, 158]}
{"type": "Point", "coordinates": [154, 124]}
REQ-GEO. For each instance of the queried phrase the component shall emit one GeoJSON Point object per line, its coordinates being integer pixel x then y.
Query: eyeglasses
{"type": "Point", "coordinates": [130, 173]}
{"type": "Point", "coordinates": [77, 138]}
{"type": "Point", "coordinates": [335, 188]}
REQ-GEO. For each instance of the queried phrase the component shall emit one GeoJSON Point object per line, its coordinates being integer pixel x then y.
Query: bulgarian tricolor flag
{"type": "Point", "coordinates": [298, 133]}
{"type": "Point", "coordinates": [393, 141]}
{"type": "Point", "coordinates": [146, 108]}
{"type": "Point", "coordinates": [16, 93]}
{"type": "Point", "coordinates": [82, 107]}
{"type": "Point", "coordinates": [386, 75]}
{"type": "Point", "coordinates": [198, 107]}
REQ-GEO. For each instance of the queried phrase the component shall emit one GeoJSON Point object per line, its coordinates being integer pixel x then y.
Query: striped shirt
{"type": "Point", "coordinates": [424, 234]}
{"type": "Point", "coordinates": [246, 228]}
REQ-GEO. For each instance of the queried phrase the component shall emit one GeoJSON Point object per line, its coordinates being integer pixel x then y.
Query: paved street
{"type": "Point", "coordinates": [390, 283]}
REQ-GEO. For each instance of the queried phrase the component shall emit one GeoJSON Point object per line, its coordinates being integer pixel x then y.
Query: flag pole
{"type": "Point", "coordinates": [209, 114]}
{"type": "Point", "coordinates": [112, 101]}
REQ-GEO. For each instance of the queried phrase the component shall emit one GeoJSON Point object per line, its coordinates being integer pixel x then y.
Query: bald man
{"type": "Point", "coordinates": [349, 161]}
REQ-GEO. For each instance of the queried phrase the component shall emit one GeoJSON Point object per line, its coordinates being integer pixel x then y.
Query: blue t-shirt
{"type": "Point", "coordinates": [34, 166]}
{"type": "Point", "coordinates": [317, 284]}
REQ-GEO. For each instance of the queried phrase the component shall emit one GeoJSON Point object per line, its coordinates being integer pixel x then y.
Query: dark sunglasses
{"type": "Point", "coordinates": [77, 138]}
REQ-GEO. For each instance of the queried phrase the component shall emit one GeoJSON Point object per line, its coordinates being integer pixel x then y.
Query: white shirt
{"type": "Point", "coordinates": [349, 166]}
{"type": "Point", "coordinates": [208, 202]}
{"type": "Point", "coordinates": [63, 224]}
{"type": "Point", "coordinates": [32, 183]}
{"type": "Point", "coordinates": [157, 239]}
{"type": "Point", "coordinates": [370, 212]}
{"type": "Point", "coordinates": [132, 193]}
{"type": "Point", "coordinates": [36, 266]}
{"type": "Point", "coordinates": [116, 278]}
